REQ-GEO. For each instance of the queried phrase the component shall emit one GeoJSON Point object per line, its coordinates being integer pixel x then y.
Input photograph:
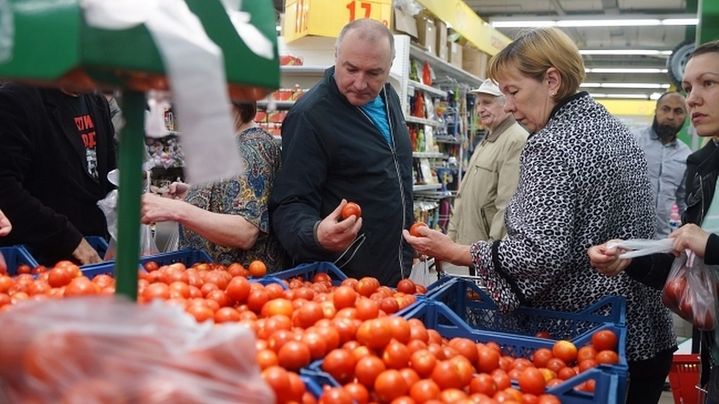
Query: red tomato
{"type": "Point", "coordinates": [359, 392]}
{"type": "Point", "coordinates": [389, 385]}
{"type": "Point", "coordinates": [532, 381]}
{"type": "Point", "coordinates": [414, 229]}
{"type": "Point", "coordinates": [279, 380]}
{"type": "Point", "coordinates": [294, 355]}
{"type": "Point", "coordinates": [396, 355]}
{"type": "Point", "coordinates": [565, 350]}
{"type": "Point", "coordinates": [543, 334]}
{"type": "Point", "coordinates": [335, 395]}
{"type": "Point", "coordinates": [604, 339]}
{"type": "Point", "coordinates": [607, 357]}
{"type": "Point", "coordinates": [424, 390]}
{"type": "Point", "coordinates": [406, 286]}
{"type": "Point", "coordinates": [340, 364]}
{"type": "Point", "coordinates": [344, 296]}
{"type": "Point", "coordinates": [541, 356]}
{"type": "Point", "coordinates": [483, 383]}
{"type": "Point", "coordinates": [351, 209]}
{"type": "Point", "coordinates": [257, 268]}
{"type": "Point", "coordinates": [367, 370]}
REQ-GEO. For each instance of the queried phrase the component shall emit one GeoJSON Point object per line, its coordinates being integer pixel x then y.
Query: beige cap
{"type": "Point", "coordinates": [488, 87]}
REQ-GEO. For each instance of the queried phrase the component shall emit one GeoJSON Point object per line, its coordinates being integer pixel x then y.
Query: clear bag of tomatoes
{"type": "Point", "coordinates": [691, 291]}
{"type": "Point", "coordinates": [109, 350]}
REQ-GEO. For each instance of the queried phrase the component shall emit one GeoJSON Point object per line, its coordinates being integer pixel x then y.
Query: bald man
{"type": "Point", "coordinates": [666, 158]}
{"type": "Point", "coordinates": [346, 140]}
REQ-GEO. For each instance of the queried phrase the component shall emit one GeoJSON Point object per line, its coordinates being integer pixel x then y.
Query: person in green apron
{"type": "Point", "coordinates": [700, 230]}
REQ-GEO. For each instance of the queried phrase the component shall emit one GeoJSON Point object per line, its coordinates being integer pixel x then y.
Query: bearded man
{"type": "Point", "coordinates": [666, 158]}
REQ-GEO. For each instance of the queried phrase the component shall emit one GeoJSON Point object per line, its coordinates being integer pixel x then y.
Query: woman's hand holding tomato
{"type": "Point", "coordinates": [438, 245]}
{"type": "Point", "coordinates": [335, 233]}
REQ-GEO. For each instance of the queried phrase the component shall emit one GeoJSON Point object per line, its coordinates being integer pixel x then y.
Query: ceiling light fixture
{"type": "Point", "coordinates": [631, 96]}
{"type": "Point", "coordinates": [592, 21]}
{"type": "Point", "coordinates": [624, 70]}
{"type": "Point", "coordinates": [630, 52]}
{"type": "Point", "coordinates": [624, 85]}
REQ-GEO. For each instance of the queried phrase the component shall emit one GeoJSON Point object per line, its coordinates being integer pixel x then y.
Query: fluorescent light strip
{"type": "Point", "coordinates": [631, 52]}
{"type": "Point", "coordinates": [646, 22]}
{"type": "Point", "coordinates": [624, 70]}
{"type": "Point", "coordinates": [624, 85]}
{"type": "Point", "coordinates": [632, 96]}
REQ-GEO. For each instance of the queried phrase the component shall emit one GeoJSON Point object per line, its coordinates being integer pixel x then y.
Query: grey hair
{"type": "Point", "coordinates": [370, 30]}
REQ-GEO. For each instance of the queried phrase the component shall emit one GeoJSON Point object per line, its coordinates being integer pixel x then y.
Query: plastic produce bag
{"type": "Point", "coordinates": [642, 247]}
{"type": "Point", "coordinates": [422, 274]}
{"type": "Point", "coordinates": [690, 291]}
{"type": "Point", "coordinates": [109, 350]}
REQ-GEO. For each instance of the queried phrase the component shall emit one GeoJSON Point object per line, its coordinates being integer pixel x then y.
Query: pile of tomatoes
{"type": "Point", "coordinates": [401, 361]}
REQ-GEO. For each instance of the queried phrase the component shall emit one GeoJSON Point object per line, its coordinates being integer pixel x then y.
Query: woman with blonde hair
{"type": "Point", "coordinates": [582, 179]}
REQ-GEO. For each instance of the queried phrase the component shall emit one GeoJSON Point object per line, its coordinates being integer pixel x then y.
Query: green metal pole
{"type": "Point", "coordinates": [128, 226]}
{"type": "Point", "coordinates": [708, 29]}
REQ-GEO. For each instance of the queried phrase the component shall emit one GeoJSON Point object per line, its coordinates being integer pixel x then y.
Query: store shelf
{"type": "Point", "coordinates": [442, 67]}
{"type": "Point", "coordinates": [429, 155]}
{"type": "Point", "coordinates": [434, 91]}
{"type": "Point", "coordinates": [303, 70]}
{"type": "Point", "coordinates": [423, 121]}
{"type": "Point", "coordinates": [281, 105]}
{"type": "Point", "coordinates": [446, 139]}
{"type": "Point", "coordinates": [426, 187]}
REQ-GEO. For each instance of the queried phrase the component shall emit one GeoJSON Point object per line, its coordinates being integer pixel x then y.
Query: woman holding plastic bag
{"type": "Point", "coordinates": [701, 83]}
{"type": "Point", "coordinates": [229, 219]}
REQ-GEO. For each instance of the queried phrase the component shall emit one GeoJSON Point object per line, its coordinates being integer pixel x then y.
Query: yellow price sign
{"type": "Point", "coordinates": [327, 17]}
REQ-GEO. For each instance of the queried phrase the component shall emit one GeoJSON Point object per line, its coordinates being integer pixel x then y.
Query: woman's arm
{"type": "Point", "coordinates": [223, 229]}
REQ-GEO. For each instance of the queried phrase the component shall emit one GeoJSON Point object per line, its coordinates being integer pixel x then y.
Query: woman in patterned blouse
{"type": "Point", "coordinates": [583, 179]}
{"type": "Point", "coordinates": [228, 219]}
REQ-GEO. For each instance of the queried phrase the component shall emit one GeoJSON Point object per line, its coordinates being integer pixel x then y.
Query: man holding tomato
{"type": "Point", "coordinates": [346, 139]}
{"type": "Point", "coordinates": [57, 149]}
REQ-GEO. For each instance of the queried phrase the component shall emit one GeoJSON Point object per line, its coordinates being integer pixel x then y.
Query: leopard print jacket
{"type": "Point", "coordinates": [583, 181]}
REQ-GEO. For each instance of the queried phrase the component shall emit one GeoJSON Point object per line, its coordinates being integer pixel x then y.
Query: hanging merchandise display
{"type": "Point", "coordinates": [143, 45]}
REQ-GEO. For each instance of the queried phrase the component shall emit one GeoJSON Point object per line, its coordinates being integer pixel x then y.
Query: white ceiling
{"type": "Point", "coordinates": [662, 37]}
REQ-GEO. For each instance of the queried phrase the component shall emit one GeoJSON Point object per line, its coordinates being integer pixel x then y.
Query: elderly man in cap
{"type": "Point", "coordinates": [491, 177]}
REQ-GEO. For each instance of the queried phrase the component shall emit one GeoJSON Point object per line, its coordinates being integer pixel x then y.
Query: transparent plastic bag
{"type": "Point", "coordinates": [690, 291]}
{"type": "Point", "coordinates": [108, 205]}
{"type": "Point", "coordinates": [642, 247]}
{"type": "Point", "coordinates": [109, 350]}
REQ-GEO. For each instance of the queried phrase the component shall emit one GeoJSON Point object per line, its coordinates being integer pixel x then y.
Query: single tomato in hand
{"type": "Point", "coordinates": [351, 209]}
{"type": "Point", "coordinates": [414, 230]}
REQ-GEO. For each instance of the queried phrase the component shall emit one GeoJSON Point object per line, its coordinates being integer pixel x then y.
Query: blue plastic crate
{"type": "Point", "coordinates": [476, 308]}
{"type": "Point", "coordinates": [438, 316]}
{"type": "Point", "coordinates": [311, 385]}
{"type": "Point", "coordinates": [308, 270]}
{"type": "Point", "coordinates": [186, 256]}
{"type": "Point", "coordinates": [16, 256]}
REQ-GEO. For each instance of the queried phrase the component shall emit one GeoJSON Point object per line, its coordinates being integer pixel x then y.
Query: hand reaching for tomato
{"type": "Point", "coordinates": [335, 233]}
{"type": "Point", "coordinates": [606, 260]}
{"type": "Point", "coordinates": [438, 245]}
{"type": "Point", "coordinates": [5, 225]}
{"type": "Point", "coordinates": [85, 253]}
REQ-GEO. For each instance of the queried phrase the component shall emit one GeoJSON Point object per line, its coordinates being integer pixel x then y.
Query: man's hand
{"type": "Point", "coordinates": [606, 260]}
{"type": "Point", "coordinates": [5, 225]}
{"type": "Point", "coordinates": [335, 234]}
{"type": "Point", "coordinates": [85, 253]}
{"type": "Point", "coordinates": [690, 236]}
